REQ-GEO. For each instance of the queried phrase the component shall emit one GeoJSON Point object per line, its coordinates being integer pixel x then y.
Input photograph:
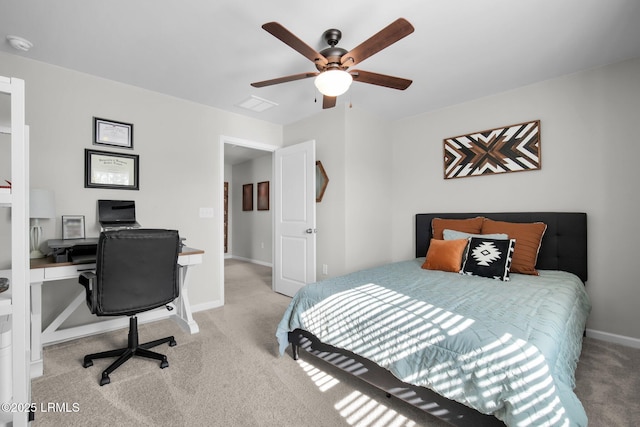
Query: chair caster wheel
{"type": "Point", "coordinates": [172, 343]}
{"type": "Point", "coordinates": [87, 363]}
{"type": "Point", "coordinates": [105, 380]}
{"type": "Point", "coordinates": [164, 364]}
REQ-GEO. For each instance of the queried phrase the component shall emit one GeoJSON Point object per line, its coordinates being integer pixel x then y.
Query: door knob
{"type": "Point", "coordinates": [310, 230]}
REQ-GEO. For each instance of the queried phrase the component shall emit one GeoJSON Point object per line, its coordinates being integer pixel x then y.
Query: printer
{"type": "Point", "coordinates": [76, 251]}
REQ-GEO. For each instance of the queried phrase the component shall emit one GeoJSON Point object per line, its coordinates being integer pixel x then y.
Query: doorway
{"type": "Point", "coordinates": [236, 150]}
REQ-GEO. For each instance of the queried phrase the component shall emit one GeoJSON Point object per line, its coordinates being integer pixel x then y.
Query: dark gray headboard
{"type": "Point", "coordinates": [564, 245]}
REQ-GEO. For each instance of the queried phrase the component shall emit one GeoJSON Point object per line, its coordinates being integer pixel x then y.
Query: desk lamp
{"type": "Point", "coordinates": [41, 206]}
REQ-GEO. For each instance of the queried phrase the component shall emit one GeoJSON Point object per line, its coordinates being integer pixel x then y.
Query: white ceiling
{"type": "Point", "coordinates": [209, 51]}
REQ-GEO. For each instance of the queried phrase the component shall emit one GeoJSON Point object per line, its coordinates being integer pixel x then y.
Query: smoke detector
{"type": "Point", "coordinates": [19, 43]}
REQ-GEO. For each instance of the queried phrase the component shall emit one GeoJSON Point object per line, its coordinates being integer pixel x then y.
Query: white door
{"type": "Point", "coordinates": [294, 217]}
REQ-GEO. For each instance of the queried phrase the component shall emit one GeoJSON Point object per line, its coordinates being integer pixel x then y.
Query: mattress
{"type": "Point", "coordinates": [509, 349]}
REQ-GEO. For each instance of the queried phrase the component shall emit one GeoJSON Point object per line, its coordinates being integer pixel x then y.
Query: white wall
{"type": "Point", "coordinates": [368, 194]}
{"type": "Point", "coordinates": [590, 152]}
{"type": "Point", "coordinates": [252, 230]}
{"type": "Point", "coordinates": [328, 130]}
{"type": "Point", "coordinates": [177, 142]}
{"type": "Point", "coordinates": [353, 218]}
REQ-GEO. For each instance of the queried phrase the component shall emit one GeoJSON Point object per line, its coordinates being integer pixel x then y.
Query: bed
{"type": "Point", "coordinates": [471, 350]}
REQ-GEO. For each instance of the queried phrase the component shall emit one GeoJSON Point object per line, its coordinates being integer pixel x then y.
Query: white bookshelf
{"type": "Point", "coordinates": [15, 303]}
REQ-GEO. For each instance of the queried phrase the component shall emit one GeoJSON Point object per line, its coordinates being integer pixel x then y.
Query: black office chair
{"type": "Point", "coordinates": [136, 271]}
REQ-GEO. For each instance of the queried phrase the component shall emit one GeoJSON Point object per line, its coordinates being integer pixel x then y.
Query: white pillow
{"type": "Point", "coordinates": [454, 235]}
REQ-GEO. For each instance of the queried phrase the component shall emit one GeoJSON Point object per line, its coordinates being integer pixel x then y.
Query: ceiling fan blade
{"type": "Point", "coordinates": [380, 79]}
{"type": "Point", "coordinates": [328, 101]}
{"type": "Point", "coordinates": [284, 79]}
{"type": "Point", "coordinates": [393, 32]}
{"type": "Point", "coordinates": [287, 37]}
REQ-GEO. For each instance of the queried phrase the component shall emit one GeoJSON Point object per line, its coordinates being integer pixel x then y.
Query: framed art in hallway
{"type": "Point", "coordinates": [263, 196]}
{"type": "Point", "coordinates": [247, 197]}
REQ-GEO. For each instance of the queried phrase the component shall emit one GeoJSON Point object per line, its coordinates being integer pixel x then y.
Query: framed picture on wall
{"type": "Point", "coordinates": [247, 197]}
{"type": "Point", "coordinates": [263, 196]}
{"type": "Point", "coordinates": [112, 133]}
{"type": "Point", "coordinates": [321, 181]}
{"type": "Point", "coordinates": [110, 170]}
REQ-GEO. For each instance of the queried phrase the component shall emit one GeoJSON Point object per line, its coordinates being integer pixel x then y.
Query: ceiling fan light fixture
{"type": "Point", "coordinates": [333, 82]}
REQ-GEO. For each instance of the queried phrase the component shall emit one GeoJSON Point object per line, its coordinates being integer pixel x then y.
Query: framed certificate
{"type": "Point", "coordinates": [103, 169]}
{"type": "Point", "coordinates": [115, 134]}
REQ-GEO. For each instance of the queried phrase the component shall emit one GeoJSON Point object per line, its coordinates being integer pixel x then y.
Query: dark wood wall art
{"type": "Point", "coordinates": [321, 181]}
{"type": "Point", "coordinates": [247, 197]}
{"type": "Point", "coordinates": [512, 148]}
{"type": "Point", "coordinates": [263, 196]}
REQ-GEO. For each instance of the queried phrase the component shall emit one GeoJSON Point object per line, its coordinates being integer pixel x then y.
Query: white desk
{"type": "Point", "coordinates": [45, 271]}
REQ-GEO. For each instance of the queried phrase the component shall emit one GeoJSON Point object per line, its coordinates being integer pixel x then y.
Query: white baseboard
{"type": "Point", "coordinates": [614, 338]}
{"type": "Point", "coordinates": [206, 306]}
{"type": "Point", "coordinates": [254, 261]}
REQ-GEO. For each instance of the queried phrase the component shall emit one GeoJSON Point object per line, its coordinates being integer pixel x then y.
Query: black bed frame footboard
{"type": "Point", "coordinates": [430, 402]}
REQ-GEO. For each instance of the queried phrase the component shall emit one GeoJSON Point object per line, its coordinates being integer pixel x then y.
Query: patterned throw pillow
{"type": "Point", "coordinates": [488, 258]}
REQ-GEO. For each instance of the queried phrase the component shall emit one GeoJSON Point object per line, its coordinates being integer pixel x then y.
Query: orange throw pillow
{"type": "Point", "coordinates": [445, 255]}
{"type": "Point", "coordinates": [528, 239]}
{"type": "Point", "coordinates": [469, 225]}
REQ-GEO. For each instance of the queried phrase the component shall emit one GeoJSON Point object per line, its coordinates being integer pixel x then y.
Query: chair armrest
{"type": "Point", "coordinates": [87, 279]}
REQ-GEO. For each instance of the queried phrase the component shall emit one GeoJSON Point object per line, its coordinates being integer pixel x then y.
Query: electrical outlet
{"type": "Point", "coordinates": [325, 269]}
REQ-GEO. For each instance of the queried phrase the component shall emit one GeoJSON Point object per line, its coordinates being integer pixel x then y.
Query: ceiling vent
{"type": "Point", "coordinates": [257, 104]}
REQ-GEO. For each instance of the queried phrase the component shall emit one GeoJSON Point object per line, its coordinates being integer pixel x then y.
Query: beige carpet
{"type": "Point", "coordinates": [229, 374]}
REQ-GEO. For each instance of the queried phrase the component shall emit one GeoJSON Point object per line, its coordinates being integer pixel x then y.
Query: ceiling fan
{"type": "Point", "coordinates": [332, 63]}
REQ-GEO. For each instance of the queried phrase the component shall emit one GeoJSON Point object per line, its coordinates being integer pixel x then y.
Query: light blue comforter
{"type": "Point", "coordinates": [504, 348]}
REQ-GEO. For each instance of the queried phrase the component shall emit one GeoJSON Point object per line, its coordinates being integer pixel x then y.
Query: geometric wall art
{"type": "Point", "coordinates": [512, 148]}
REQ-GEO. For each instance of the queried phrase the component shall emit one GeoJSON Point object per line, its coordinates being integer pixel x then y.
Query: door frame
{"type": "Point", "coordinates": [231, 140]}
